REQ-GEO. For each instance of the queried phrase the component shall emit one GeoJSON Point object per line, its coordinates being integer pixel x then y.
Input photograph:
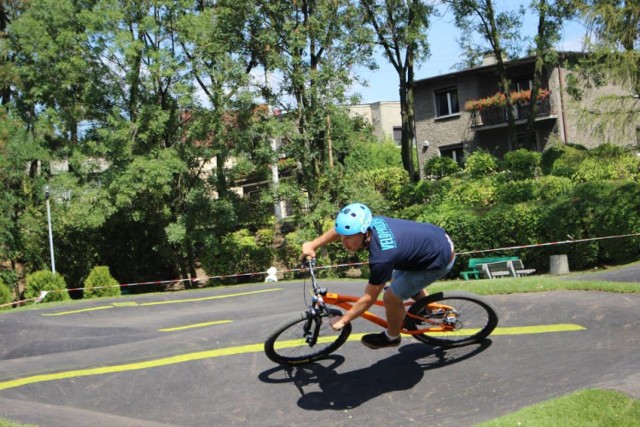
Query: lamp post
{"type": "Point", "coordinates": [53, 261]}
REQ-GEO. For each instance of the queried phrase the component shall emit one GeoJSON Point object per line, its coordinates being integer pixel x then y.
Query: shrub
{"type": "Point", "coordinates": [472, 193]}
{"type": "Point", "coordinates": [381, 189]}
{"type": "Point", "coordinates": [414, 195]}
{"type": "Point", "coordinates": [522, 164]}
{"type": "Point", "coordinates": [618, 214]}
{"type": "Point", "coordinates": [609, 151]}
{"type": "Point", "coordinates": [439, 167]}
{"type": "Point", "coordinates": [549, 157]}
{"type": "Point", "coordinates": [575, 215]}
{"type": "Point", "coordinates": [512, 225]}
{"type": "Point", "coordinates": [563, 160]}
{"type": "Point", "coordinates": [5, 296]}
{"type": "Point", "coordinates": [46, 281]}
{"type": "Point", "coordinates": [100, 283]}
{"type": "Point", "coordinates": [480, 163]}
{"type": "Point", "coordinates": [598, 167]}
{"type": "Point", "coordinates": [512, 192]}
{"type": "Point", "coordinates": [551, 187]}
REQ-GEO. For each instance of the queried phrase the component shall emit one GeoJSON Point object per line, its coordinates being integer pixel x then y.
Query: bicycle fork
{"type": "Point", "coordinates": [311, 329]}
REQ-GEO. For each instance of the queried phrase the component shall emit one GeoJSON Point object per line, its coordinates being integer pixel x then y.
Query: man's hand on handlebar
{"type": "Point", "coordinates": [308, 251]}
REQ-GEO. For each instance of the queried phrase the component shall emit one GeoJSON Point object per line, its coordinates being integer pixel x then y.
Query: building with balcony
{"type": "Point", "coordinates": [445, 128]}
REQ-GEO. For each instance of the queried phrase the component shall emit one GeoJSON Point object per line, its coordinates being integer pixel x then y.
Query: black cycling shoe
{"type": "Point", "coordinates": [376, 341]}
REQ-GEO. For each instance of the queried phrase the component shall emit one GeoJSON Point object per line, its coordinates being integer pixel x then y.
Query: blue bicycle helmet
{"type": "Point", "coordinates": [353, 219]}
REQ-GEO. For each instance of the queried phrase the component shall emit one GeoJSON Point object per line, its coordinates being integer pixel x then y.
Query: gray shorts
{"type": "Point", "coordinates": [406, 284]}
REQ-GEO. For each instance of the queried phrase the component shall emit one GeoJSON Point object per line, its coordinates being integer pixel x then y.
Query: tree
{"type": "Point", "coordinates": [313, 46]}
{"type": "Point", "coordinates": [501, 31]}
{"type": "Point", "coordinates": [20, 196]}
{"type": "Point", "coordinates": [551, 15]}
{"type": "Point", "coordinates": [58, 80]}
{"type": "Point", "coordinates": [613, 40]}
{"type": "Point", "coordinates": [9, 11]}
{"type": "Point", "coordinates": [401, 29]}
{"type": "Point", "coordinates": [226, 125]}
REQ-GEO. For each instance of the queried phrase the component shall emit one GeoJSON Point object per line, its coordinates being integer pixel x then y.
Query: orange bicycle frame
{"type": "Point", "coordinates": [347, 301]}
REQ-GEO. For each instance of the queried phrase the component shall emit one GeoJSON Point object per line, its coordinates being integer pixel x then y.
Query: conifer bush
{"type": "Point", "coordinates": [45, 280]}
{"type": "Point", "coordinates": [100, 283]}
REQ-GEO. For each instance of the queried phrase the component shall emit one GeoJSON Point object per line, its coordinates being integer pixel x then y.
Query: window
{"type": "Point", "coordinates": [447, 102]}
{"type": "Point", "coordinates": [397, 135]}
{"type": "Point", "coordinates": [521, 83]}
{"type": "Point", "coordinates": [455, 152]}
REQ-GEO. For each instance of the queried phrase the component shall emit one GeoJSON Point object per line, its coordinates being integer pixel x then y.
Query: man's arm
{"type": "Point", "coordinates": [309, 248]}
{"type": "Point", "coordinates": [363, 304]}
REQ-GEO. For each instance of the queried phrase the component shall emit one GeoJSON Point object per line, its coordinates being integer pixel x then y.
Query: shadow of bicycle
{"type": "Point", "coordinates": [348, 390]}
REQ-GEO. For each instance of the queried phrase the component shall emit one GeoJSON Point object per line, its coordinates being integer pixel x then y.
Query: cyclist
{"type": "Point", "coordinates": [411, 255]}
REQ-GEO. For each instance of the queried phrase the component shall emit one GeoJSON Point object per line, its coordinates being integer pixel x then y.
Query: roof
{"type": "Point", "coordinates": [472, 70]}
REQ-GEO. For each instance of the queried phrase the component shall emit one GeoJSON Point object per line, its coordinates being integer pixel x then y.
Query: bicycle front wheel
{"type": "Point", "coordinates": [305, 339]}
{"type": "Point", "coordinates": [452, 319]}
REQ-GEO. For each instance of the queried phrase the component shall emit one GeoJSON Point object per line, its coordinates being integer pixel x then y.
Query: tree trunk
{"type": "Point", "coordinates": [407, 132]}
{"type": "Point", "coordinates": [221, 178]}
{"type": "Point", "coordinates": [329, 142]}
{"type": "Point", "coordinates": [414, 175]}
{"type": "Point", "coordinates": [537, 74]}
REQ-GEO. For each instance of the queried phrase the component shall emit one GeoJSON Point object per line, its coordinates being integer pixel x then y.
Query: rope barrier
{"type": "Point", "coordinates": [562, 242]}
{"type": "Point", "coordinates": [293, 270]}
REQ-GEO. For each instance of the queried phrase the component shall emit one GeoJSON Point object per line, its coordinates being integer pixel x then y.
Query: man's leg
{"type": "Point", "coordinates": [395, 312]}
{"type": "Point", "coordinates": [394, 309]}
{"type": "Point", "coordinates": [404, 285]}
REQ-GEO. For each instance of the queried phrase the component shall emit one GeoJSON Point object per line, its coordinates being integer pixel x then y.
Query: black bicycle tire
{"type": "Point", "coordinates": [483, 332]}
{"type": "Point", "coordinates": [278, 357]}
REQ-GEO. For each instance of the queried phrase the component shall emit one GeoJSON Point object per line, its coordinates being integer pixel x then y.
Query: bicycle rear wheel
{"type": "Point", "coordinates": [305, 339]}
{"type": "Point", "coordinates": [457, 319]}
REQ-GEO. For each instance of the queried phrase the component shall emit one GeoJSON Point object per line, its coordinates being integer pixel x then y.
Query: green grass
{"type": "Point", "coordinates": [539, 283]}
{"type": "Point", "coordinates": [584, 408]}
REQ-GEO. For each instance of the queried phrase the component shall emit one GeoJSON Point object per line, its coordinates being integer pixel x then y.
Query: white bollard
{"type": "Point", "coordinates": [559, 264]}
{"type": "Point", "coordinates": [271, 275]}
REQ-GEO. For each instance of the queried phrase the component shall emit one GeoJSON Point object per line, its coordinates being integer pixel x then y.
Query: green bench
{"type": "Point", "coordinates": [474, 267]}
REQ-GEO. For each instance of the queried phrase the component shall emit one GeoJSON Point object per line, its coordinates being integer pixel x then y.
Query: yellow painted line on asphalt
{"type": "Point", "coordinates": [539, 329]}
{"type": "Point", "coordinates": [231, 351]}
{"type": "Point", "coordinates": [135, 304]}
{"type": "Point", "coordinates": [182, 358]}
{"type": "Point", "coordinates": [84, 310]}
{"type": "Point", "coordinates": [195, 325]}
{"type": "Point", "coordinates": [517, 330]}
{"type": "Point", "coordinates": [211, 298]}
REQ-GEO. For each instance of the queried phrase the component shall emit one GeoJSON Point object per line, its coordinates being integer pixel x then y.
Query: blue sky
{"type": "Point", "coordinates": [383, 82]}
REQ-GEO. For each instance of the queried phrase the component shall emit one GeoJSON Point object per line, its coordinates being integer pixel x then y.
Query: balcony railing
{"type": "Point", "coordinates": [497, 115]}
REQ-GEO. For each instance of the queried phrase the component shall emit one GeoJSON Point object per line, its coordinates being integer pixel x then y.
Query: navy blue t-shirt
{"type": "Point", "coordinates": [405, 245]}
